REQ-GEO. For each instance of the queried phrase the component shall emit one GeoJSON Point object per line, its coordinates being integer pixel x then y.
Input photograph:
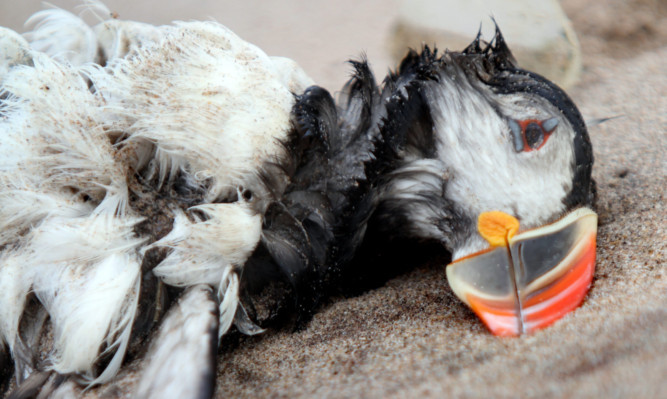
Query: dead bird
{"type": "Point", "coordinates": [178, 167]}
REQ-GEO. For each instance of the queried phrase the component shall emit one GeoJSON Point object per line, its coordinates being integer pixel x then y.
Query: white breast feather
{"type": "Point", "coordinates": [62, 35]}
{"type": "Point", "coordinates": [87, 278]}
{"type": "Point", "coordinates": [195, 259]}
{"type": "Point", "coordinates": [241, 105]}
{"type": "Point", "coordinates": [189, 98]}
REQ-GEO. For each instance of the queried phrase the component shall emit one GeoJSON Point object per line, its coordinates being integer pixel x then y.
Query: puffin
{"type": "Point", "coordinates": [468, 155]}
{"type": "Point", "coordinates": [163, 185]}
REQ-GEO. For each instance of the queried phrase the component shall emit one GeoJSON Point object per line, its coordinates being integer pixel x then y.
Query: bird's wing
{"type": "Point", "coordinates": [181, 361]}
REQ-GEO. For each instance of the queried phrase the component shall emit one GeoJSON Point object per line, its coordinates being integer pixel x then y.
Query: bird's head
{"type": "Point", "coordinates": [494, 162]}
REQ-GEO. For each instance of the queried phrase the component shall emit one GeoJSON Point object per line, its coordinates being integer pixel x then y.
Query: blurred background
{"type": "Point", "coordinates": [321, 35]}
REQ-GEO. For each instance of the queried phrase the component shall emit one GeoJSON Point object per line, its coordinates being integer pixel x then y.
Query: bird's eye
{"type": "Point", "coordinates": [531, 134]}
{"type": "Point", "coordinates": [534, 135]}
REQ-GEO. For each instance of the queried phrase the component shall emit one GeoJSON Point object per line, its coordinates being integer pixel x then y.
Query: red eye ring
{"type": "Point", "coordinates": [531, 134]}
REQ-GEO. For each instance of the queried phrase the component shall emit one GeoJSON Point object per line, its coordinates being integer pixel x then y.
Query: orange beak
{"type": "Point", "coordinates": [527, 281]}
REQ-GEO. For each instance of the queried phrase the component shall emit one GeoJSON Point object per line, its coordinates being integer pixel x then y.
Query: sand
{"type": "Point", "coordinates": [412, 337]}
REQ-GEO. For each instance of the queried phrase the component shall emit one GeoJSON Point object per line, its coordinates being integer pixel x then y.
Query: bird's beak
{"type": "Point", "coordinates": [527, 281]}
